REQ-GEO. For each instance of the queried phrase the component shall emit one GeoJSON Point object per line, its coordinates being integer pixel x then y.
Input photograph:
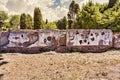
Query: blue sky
{"type": "Point", "coordinates": [51, 9]}
{"type": "Point", "coordinates": [56, 3]}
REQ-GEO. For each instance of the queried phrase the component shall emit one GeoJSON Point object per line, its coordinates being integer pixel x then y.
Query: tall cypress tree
{"type": "Point", "coordinates": [23, 21]}
{"type": "Point", "coordinates": [38, 21]}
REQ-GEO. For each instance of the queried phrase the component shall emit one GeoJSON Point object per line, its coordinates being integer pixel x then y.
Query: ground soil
{"type": "Point", "coordinates": [61, 66]}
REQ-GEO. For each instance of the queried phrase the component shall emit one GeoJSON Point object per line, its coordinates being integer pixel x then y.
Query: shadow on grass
{"type": "Point", "coordinates": [3, 62]}
{"type": "Point", "coordinates": [42, 50]}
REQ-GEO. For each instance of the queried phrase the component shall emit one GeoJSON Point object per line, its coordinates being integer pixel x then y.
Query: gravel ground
{"type": "Point", "coordinates": [61, 66]}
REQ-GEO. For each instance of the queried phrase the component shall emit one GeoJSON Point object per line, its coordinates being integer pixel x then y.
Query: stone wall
{"type": "Point", "coordinates": [89, 40]}
{"type": "Point", "coordinates": [116, 39]}
{"type": "Point", "coordinates": [31, 41]}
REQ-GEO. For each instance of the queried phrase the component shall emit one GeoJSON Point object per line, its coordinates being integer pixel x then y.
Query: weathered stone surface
{"type": "Point", "coordinates": [89, 40]}
{"type": "Point", "coordinates": [116, 41]}
{"type": "Point", "coordinates": [62, 49]}
{"type": "Point", "coordinates": [32, 41]}
{"type": "Point", "coordinates": [90, 48]}
{"type": "Point", "coordinates": [4, 39]}
{"type": "Point", "coordinates": [89, 37]}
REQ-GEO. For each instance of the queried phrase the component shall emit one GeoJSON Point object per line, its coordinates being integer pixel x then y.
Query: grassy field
{"type": "Point", "coordinates": [61, 66]}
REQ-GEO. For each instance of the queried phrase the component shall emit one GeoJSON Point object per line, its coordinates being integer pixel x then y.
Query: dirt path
{"type": "Point", "coordinates": [59, 66]}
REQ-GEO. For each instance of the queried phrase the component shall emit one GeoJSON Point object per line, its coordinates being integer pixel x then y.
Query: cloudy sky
{"type": "Point", "coordinates": [51, 9]}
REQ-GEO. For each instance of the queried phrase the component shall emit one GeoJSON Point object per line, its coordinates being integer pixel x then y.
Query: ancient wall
{"type": "Point", "coordinates": [89, 37]}
{"type": "Point", "coordinates": [58, 40]}
{"type": "Point", "coordinates": [116, 39]}
{"type": "Point", "coordinates": [89, 40]}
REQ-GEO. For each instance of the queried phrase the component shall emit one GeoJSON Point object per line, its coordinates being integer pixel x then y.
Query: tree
{"type": "Point", "coordinates": [14, 21]}
{"type": "Point", "coordinates": [111, 3]}
{"type": "Point", "coordinates": [50, 25]}
{"type": "Point", "coordinates": [38, 21]}
{"type": "Point", "coordinates": [90, 16]}
{"type": "Point", "coordinates": [3, 17]}
{"type": "Point", "coordinates": [73, 11]}
{"type": "Point", "coordinates": [111, 16]}
{"type": "Point", "coordinates": [115, 25]}
{"type": "Point", "coordinates": [46, 21]}
{"type": "Point", "coordinates": [29, 22]}
{"type": "Point", "coordinates": [62, 23]}
{"type": "Point", "coordinates": [23, 21]}
{"type": "Point", "coordinates": [98, 16]}
{"type": "Point", "coordinates": [76, 10]}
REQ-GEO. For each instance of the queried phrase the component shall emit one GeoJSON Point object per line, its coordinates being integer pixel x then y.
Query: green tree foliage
{"type": "Point", "coordinates": [99, 16]}
{"type": "Point", "coordinates": [14, 21]}
{"type": "Point", "coordinates": [38, 20]}
{"type": "Point", "coordinates": [3, 17]}
{"type": "Point", "coordinates": [23, 21]}
{"type": "Point", "coordinates": [115, 24]}
{"type": "Point", "coordinates": [50, 25]}
{"type": "Point", "coordinates": [62, 23]}
{"type": "Point", "coordinates": [26, 21]}
{"type": "Point", "coordinates": [110, 16]}
{"type": "Point", "coordinates": [90, 16]}
{"type": "Point", "coordinates": [6, 27]}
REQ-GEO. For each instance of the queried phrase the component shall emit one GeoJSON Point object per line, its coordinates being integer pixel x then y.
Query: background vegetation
{"type": "Point", "coordinates": [90, 16]}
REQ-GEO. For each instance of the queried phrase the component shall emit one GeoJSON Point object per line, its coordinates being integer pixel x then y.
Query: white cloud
{"type": "Point", "coordinates": [2, 5]}
{"type": "Point", "coordinates": [100, 1]}
{"type": "Point", "coordinates": [3, 1]}
{"type": "Point", "coordinates": [95, 1]}
{"type": "Point", "coordinates": [3, 8]}
{"type": "Point", "coordinates": [63, 1]}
